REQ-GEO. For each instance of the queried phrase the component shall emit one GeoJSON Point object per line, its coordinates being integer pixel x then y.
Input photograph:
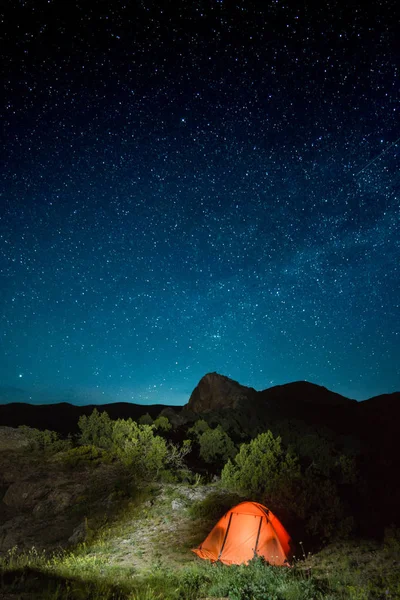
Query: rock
{"type": "Point", "coordinates": [197, 493]}
{"type": "Point", "coordinates": [11, 533]}
{"type": "Point", "coordinates": [79, 534]}
{"type": "Point", "coordinates": [177, 504]}
{"type": "Point", "coordinates": [25, 494]}
{"type": "Point", "coordinates": [216, 391]}
{"type": "Point", "coordinates": [12, 439]}
{"type": "Point", "coordinates": [56, 502]}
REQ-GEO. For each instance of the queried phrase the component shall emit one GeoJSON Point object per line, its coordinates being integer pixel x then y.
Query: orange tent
{"type": "Point", "coordinates": [247, 530]}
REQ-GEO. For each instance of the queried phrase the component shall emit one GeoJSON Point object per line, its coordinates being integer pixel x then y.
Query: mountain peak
{"type": "Point", "coordinates": [216, 391]}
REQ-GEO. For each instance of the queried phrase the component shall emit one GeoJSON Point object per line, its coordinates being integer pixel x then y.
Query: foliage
{"type": "Point", "coordinates": [198, 429]}
{"type": "Point", "coordinates": [176, 455]}
{"type": "Point", "coordinates": [134, 444]}
{"type": "Point", "coordinates": [216, 447]}
{"type": "Point", "coordinates": [162, 424]}
{"type": "Point", "coordinates": [138, 448]}
{"type": "Point", "coordinates": [260, 581]}
{"type": "Point", "coordinates": [346, 469]}
{"type": "Point", "coordinates": [262, 469]}
{"type": "Point", "coordinates": [44, 441]}
{"type": "Point", "coordinates": [319, 504]}
{"type": "Point", "coordinates": [214, 506]}
{"type": "Point", "coordinates": [96, 430]}
{"type": "Point", "coordinates": [85, 455]}
{"type": "Point", "coordinates": [146, 420]}
{"type": "Point", "coordinates": [265, 471]}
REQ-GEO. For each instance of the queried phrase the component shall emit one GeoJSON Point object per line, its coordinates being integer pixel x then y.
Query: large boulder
{"type": "Point", "coordinates": [25, 494]}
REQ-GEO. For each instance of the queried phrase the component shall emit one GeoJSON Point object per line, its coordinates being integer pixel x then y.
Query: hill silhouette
{"type": "Point", "coordinates": [219, 397]}
{"type": "Point", "coordinates": [307, 417]}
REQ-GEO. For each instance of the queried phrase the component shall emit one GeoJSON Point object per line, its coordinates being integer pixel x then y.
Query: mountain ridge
{"type": "Point", "coordinates": [216, 397]}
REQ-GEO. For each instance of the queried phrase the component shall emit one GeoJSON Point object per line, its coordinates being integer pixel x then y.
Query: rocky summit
{"type": "Point", "coordinates": [216, 391]}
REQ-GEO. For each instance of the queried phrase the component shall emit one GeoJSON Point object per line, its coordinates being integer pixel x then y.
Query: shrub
{"type": "Point", "coordinates": [146, 420]}
{"type": "Point", "coordinates": [85, 455]}
{"type": "Point", "coordinates": [162, 424]}
{"type": "Point", "coordinates": [198, 429]}
{"type": "Point", "coordinates": [96, 430]}
{"type": "Point", "coordinates": [176, 454]}
{"type": "Point", "coordinates": [266, 472]}
{"type": "Point", "coordinates": [259, 581]}
{"type": "Point", "coordinates": [214, 506]}
{"type": "Point", "coordinates": [216, 447]}
{"type": "Point", "coordinates": [263, 469]}
{"type": "Point", "coordinates": [44, 440]}
{"type": "Point", "coordinates": [138, 448]}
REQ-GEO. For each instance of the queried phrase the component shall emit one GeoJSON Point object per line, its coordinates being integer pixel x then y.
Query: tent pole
{"type": "Point", "coordinates": [258, 536]}
{"type": "Point", "coordinates": [226, 535]}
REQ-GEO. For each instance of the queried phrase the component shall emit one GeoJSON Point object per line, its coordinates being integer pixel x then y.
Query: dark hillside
{"type": "Point", "coordinates": [63, 417]}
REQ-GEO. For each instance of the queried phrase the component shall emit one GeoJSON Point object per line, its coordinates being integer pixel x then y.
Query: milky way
{"type": "Point", "coordinates": [201, 188]}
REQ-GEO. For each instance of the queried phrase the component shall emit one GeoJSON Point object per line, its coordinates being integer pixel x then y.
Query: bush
{"type": "Point", "coordinates": [214, 506]}
{"type": "Point", "coordinates": [85, 455]}
{"type": "Point", "coordinates": [263, 469]}
{"type": "Point", "coordinates": [266, 472]}
{"type": "Point", "coordinates": [216, 447]}
{"type": "Point", "coordinates": [44, 440]}
{"type": "Point", "coordinates": [260, 581]}
{"type": "Point", "coordinates": [138, 448]}
{"type": "Point", "coordinates": [162, 424]}
{"type": "Point", "coordinates": [146, 420]}
{"type": "Point", "coordinates": [96, 430]}
{"type": "Point", "coordinates": [198, 429]}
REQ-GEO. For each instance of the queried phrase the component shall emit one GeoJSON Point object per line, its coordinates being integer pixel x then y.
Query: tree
{"type": "Point", "coordinates": [162, 424]}
{"type": "Point", "coordinates": [198, 429]}
{"type": "Point", "coordinates": [138, 448]}
{"type": "Point", "coordinates": [146, 420]}
{"type": "Point", "coordinates": [263, 470]}
{"type": "Point", "coordinates": [216, 446]}
{"type": "Point", "coordinates": [96, 430]}
{"type": "Point", "coordinates": [176, 455]}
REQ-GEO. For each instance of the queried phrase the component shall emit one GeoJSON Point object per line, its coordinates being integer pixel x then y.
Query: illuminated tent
{"type": "Point", "coordinates": [247, 530]}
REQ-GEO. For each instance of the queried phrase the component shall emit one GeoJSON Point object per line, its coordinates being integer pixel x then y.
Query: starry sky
{"type": "Point", "coordinates": [198, 186]}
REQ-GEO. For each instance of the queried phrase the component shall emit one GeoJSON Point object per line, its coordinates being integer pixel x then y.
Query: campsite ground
{"type": "Point", "coordinates": [144, 549]}
{"type": "Point", "coordinates": [74, 533]}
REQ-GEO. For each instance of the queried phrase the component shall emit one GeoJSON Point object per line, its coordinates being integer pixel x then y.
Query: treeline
{"type": "Point", "coordinates": [306, 481]}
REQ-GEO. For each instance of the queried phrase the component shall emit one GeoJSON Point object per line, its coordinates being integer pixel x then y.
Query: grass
{"type": "Point", "coordinates": [143, 553]}
{"type": "Point", "coordinates": [345, 571]}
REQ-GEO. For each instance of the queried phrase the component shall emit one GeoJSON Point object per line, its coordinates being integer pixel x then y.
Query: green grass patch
{"type": "Point", "coordinates": [86, 574]}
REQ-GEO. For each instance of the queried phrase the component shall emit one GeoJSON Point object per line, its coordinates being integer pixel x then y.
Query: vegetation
{"type": "Point", "coordinates": [96, 430]}
{"type": "Point", "coordinates": [216, 447]}
{"type": "Point", "coordinates": [140, 549]}
{"type": "Point", "coordinates": [342, 573]}
{"type": "Point", "coordinates": [48, 442]}
{"type": "Point", "coordinates": [265, 471]}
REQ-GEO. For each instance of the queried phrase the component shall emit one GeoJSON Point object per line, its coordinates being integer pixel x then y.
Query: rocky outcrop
{"type": "Point", "coordinates": [215, 391]}
{"type": "Point", "coordinates": [12, 439]}
{"type": "Point", "coordinates": [43, 503]}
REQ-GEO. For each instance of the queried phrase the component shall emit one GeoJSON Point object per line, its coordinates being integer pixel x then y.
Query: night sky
{"type": "Point", "coordinates": [198, 186]}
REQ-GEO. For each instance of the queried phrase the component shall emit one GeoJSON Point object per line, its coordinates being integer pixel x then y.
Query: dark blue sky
{"type": "Point", "coordinates": [208, 187]}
